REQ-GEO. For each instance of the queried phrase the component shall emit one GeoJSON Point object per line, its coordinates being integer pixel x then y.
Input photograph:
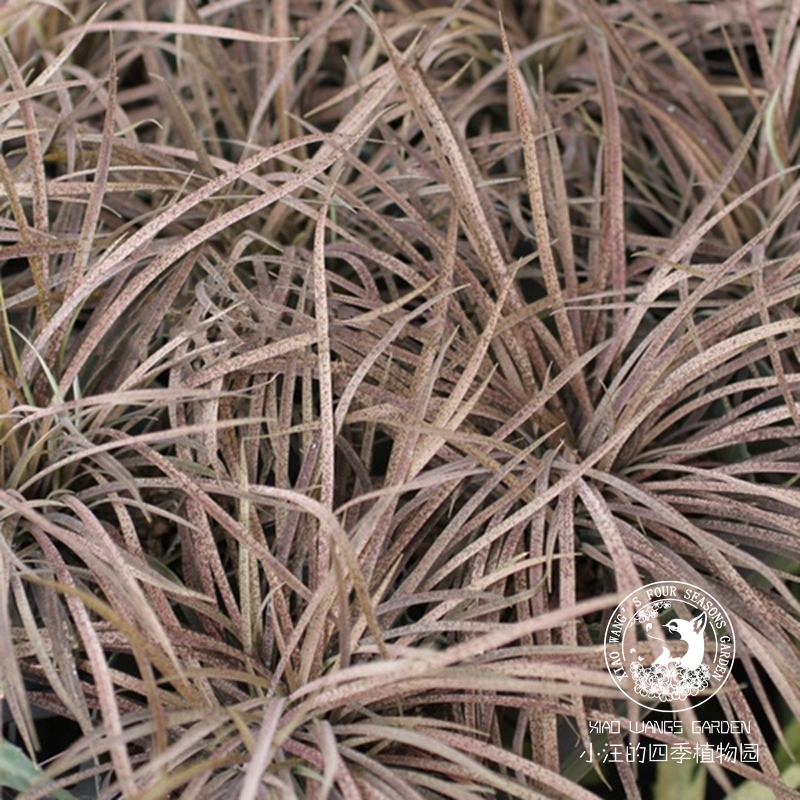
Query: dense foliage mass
{"type": "Point", "coordinates": [355, 359]}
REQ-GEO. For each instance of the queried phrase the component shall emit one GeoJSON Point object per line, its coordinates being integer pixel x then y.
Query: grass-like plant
{"type": "Point", "coordinates": [357, 357]}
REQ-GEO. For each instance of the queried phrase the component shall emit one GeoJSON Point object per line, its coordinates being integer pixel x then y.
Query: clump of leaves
{"type": "Point", "coordinates": [356, 358]}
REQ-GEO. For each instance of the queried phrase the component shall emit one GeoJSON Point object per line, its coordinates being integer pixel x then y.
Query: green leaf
{"type": "Point", "coordinates": [680, 781]}
{"type": "Point", "coordinates": [751, 790]}
{"type": "Point", "coordinates": [791, 735]}
{"type": "Point", "coordinates": [18, 772]}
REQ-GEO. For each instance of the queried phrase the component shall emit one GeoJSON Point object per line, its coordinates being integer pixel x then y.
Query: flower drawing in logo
{"type": "Point", "coordinates": [669, 641]}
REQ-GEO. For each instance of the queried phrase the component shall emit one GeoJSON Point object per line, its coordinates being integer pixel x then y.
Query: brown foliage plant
{"type": "Point", "coordinates": [357, 357]}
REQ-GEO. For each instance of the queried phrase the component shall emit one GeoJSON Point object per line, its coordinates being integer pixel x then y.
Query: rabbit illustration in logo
{"type": "Point", "coordinates": [690, 632]}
